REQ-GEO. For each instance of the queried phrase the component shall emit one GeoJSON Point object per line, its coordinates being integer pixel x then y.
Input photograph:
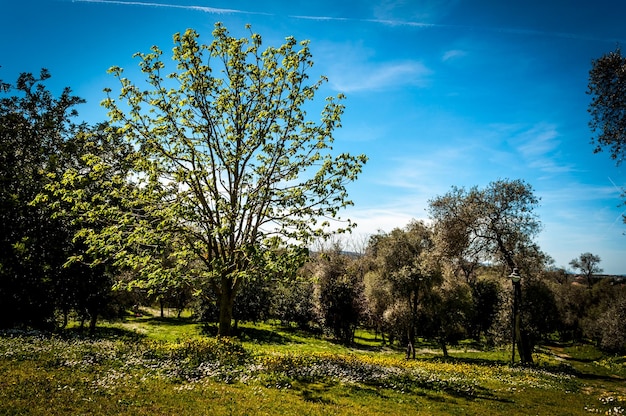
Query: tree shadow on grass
{"type": "Point", "coordinates": [366, 344]}
{"type": "Point", "coordinates": [107, 333]}
{"type": "Point", "coordinates": [263, 336]}
{"type": "Point", "coordinates": [167, 321]}
{"type": "Point", "coordinates": [254, 335]}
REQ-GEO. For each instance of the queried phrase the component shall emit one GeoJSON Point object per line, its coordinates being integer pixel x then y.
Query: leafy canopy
{"type": "Point", "coordinates": [607, 87]}
{"type": "Point", "coordinates": [495, 224]}
{"type": "Point", "coordinates": [227, 164]}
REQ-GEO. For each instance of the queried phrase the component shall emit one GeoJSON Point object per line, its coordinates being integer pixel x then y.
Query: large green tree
{"type": "Point", "coordinates": [36, 141]}
{"type": "Point", "coordinates": [228, 165]}
{"type": "Point", "coordinates": [496, 225]}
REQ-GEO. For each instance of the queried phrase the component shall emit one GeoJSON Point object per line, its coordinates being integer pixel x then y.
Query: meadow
{"type": "Point", "coordinates": [146, 365]}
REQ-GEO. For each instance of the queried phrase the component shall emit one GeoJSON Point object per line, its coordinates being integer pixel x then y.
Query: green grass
{"type": "Point", "coordinates": [162, 366]}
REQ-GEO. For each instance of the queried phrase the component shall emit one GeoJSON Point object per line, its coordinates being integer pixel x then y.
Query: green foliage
{"type": "Point", "coordinates": [406, 262]}
{"type": "Point", "coordinates": [540, 316]}
{"type": "Point", "coordinates": [486, 301]}
{"type": "Point", "coordinates": [38, 144]}
{"type": "Point", "coordinates": [227, 166]}
{"type": "Point", "coordinates": [446, 317]}
{"type": "Point", "coordinates": [340, 292]}
{"type": "Point", "coordinates": [607, 87]}
{"type": "Point", "coordinates": [605, 321]}
{"type": "Point", "coordinates": [294, 302]}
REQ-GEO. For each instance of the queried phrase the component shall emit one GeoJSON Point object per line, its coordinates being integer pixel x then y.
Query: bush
{"type": "Point", "coordinates": [195, 351]}
{"type": "Point", "coordinates": [612, 327]}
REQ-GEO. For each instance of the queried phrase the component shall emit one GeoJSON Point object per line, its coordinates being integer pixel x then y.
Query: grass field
{"type": "Point", "coordinates": [165, 366]}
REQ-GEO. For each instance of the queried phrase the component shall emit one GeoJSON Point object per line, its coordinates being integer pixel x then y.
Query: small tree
{"type": "Point", "coordinates": [340, 295]}
{"type": "Point", "coordinates": [612, 325]}
{"type": "Point", "coordinates": [574, 303]}
{"type": "Point", "coordinates": [588, 264]}
{"type": "Point", "coordinates": [379, 298]}
{"type": "Point", "coordinates": [38, 142]}
{"type": "Point", "coordinates": [405, 260]}
{"type": "Point", "coordinates": [293, 301]}
{"type": "Point", "coordinates": [445, 315]}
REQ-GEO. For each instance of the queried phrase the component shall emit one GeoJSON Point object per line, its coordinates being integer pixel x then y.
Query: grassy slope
{"type": "Point", "coordinates": [59, 377]}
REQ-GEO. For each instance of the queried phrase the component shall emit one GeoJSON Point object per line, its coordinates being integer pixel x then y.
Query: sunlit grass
{"type": "Point", "coordinates": [151, 365]}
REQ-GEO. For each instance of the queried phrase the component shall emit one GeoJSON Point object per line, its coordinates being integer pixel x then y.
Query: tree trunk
{"type": "Point", "coordinates": [522, 338]}
{"type": "Point", "coordinates": [526, 353]}
{"type": "Point", "coordinates": [444, 347]}
{"type": "Point", "coordinates": [93, 319]}
{"type": "Point", "coordinates": [226, 302]}
{"type": "Point", "coordinates": [413, 304]}
{"type": "Point", "coordinates": [410, 350]}
{"type": "Point", "coordinates": [410, 347]}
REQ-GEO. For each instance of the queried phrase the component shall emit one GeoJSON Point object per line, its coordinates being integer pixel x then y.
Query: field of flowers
{"type": "Point", "coordinates": [204, 375]}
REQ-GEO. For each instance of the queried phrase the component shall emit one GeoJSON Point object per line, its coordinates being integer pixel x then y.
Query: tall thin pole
{"type": "Point", "coordinates": [514, 324]}
{"type": "Point", "coordinates": [515, 279]}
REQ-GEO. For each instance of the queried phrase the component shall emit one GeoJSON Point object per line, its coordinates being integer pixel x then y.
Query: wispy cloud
{"type": "Point", "coordinates": [453, 54]}
{"type": "Point", "coordinates": [539, 147]}
{"type": "Point", "coordinates": [379, 76]}
{"type": "Point", "coordinates": [538, 141]}
{"type": "Point", "coordinates": [570, 194]}
{"type": "Point", "coordinates": [382, 21]}
{"type": "Point", "coordinates": [535, 147]}
{"type": "Point", "coordinates": [322, 18]}
{"type": "Point", "coordinates": [372, 220]}
{"type": "Point", "coordinates": [204, 9]}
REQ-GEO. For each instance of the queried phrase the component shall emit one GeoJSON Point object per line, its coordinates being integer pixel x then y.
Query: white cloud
{"type": "Point", "coordinates": [538, 140]}
{"type": "Point", "coordinates": [535, 146]}
{"type": "Point", "coordinates": [453, 54]}
{"type": "Point", "coordinates": [572, 195]}
{"type": "Point", "coordinates": [350, 77]}
{"type": "Point", "coordinates": [400, 11]}
{"type": "Point", "coordinates": [371, 221]}
{"type": "Point", "coordinates": [212, 10]}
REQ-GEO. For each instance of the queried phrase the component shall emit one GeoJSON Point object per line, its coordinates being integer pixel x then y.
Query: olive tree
{"type": "Point", "coordinates": [494, 225]}
{"type": "Point", "coordinates": [340, 296]}
{"type": "Point", "coordinates": [404, 259]}
{"type": "Point", "coordinates": [227, 163]}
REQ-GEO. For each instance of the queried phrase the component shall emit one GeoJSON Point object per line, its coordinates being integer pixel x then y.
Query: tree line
{"type": "Point", "coordinates": [207, 187]}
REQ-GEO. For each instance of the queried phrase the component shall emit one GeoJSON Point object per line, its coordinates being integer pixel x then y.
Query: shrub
{"type": "Point", "coordinates": [194, 351]}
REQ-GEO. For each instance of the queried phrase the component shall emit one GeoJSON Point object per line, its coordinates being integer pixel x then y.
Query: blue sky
{"type": "Point", "coordinates": [439, 92]}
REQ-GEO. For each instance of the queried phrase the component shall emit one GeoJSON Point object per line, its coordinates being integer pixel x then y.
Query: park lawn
{"type": "Point", "coordinates": [37, 391]}
{"type": "Point", "coordinates": [143, 366]}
